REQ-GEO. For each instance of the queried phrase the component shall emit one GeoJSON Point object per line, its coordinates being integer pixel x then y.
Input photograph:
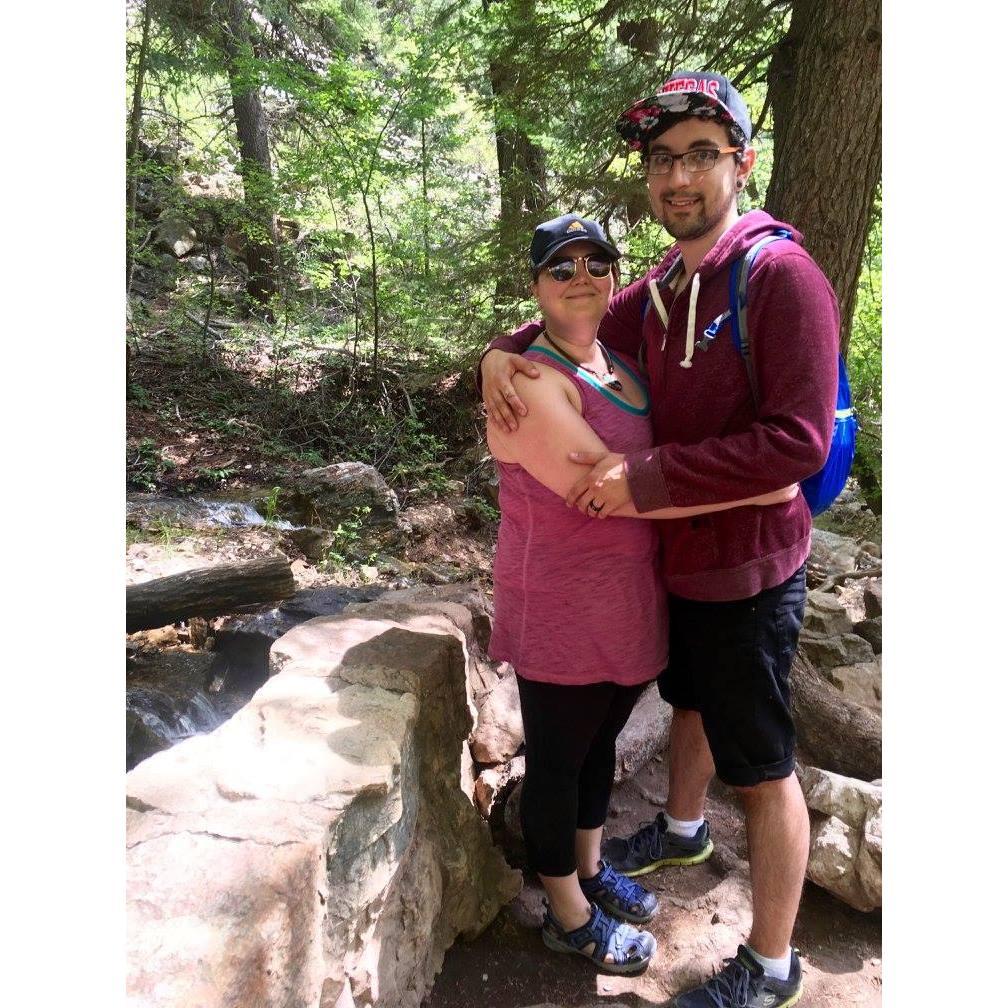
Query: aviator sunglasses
{"type": "Point", "coordinates": [563, 270]}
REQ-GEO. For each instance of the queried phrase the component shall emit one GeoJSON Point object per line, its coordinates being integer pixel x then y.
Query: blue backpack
{"type": "Point", "coordinates": [821, 488]}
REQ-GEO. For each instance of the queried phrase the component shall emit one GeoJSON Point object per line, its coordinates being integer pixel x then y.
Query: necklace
{"type": "Point", "coordinates": [609, 380]}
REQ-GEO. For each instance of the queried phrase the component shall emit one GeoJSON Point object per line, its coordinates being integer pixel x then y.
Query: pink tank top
{"type": "Point", "coordinates": [577, 600]}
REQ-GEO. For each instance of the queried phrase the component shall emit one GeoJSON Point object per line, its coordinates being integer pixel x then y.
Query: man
{"type": "Point", "coordinates": [736, 579]}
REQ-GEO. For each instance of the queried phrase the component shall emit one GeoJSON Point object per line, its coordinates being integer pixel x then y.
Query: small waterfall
{"type": "Point", "coordinates": [173, 718]}
{"type": "Point", "coordinates": [236, 514]}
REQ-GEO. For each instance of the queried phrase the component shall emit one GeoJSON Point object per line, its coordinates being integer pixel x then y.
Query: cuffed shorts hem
{"type": "Point", "coordinates": [750, 776]}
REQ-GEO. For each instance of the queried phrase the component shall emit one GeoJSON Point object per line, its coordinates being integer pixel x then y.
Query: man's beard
{"type": "Point", "coordinates": [693, 227]}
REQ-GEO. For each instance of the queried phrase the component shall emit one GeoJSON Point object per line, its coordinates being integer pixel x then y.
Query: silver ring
{"type": "Point", "coordinates": [592, 506]}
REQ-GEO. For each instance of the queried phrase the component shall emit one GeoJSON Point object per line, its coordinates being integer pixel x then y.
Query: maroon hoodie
{"type": "Point", "coordinates": [712, 444]}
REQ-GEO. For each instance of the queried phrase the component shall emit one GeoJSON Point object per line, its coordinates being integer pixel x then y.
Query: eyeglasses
{"type": "Point", "coordinates": [564, 269]}
{"type": "Point", "coordinates": [694, 161]}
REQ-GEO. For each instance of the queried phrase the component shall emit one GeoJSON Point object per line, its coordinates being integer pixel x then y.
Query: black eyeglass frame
{"type": "Point", "coordinates": [646, 159]}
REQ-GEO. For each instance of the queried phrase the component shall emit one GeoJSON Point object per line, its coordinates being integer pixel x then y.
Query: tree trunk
{"type": "Point", "coordinates": [256, 168]}
{"type": "Point", "coordinates": [134, 140]}
{"type": "Point", "coordinates": [833, 732]}
{"type": "Point", "coordinates": [521, 164]}
{"type": "Point", "coordinates": [210, 591]}
{"type": "Point", "coordinates": [825, 87]}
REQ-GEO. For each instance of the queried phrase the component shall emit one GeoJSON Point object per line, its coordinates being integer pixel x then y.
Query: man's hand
{"type": "Point", "coordinates": [500, 400]}
{"type": "Point", "coordinates": [605, 485]}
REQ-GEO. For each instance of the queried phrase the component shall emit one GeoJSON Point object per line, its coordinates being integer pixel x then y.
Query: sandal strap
{"type": "Point", "coordinates": [610, 937]}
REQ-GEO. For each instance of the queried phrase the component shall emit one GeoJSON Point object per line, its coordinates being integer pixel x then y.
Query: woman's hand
{"type": "Point", "coordinates": [503, 405]}
{"type": "Point", "coordinates": [778, 496]}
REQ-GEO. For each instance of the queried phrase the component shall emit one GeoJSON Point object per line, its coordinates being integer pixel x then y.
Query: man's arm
{"type": "Point", "coordinates": [795, 331]}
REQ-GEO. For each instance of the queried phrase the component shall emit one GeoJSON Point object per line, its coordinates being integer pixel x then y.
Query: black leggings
{"type": "Point", "coordinates": [570, 759]}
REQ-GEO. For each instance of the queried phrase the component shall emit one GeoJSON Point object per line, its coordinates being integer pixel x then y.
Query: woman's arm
{"type": "Point", "coordinates": [554, 427]}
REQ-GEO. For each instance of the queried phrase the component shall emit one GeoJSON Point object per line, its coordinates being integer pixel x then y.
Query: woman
{"type": "Point", "coordinates": [579, 606]}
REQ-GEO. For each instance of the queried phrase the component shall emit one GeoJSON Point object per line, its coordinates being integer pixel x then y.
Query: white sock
{"type": "Point", "coordinates": [682, 827]}
{"type": "Point", "coordinates": [779, 969]}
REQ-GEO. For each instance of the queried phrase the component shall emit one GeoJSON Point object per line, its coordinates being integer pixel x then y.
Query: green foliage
{"type": "Point", "coordinates": [145, 465]}
{"type": "Point", "coordinates": [270, 502]}
{"type": "Point", "coordinates": [864, 365]}
{"type": "Point", "coordinates": [348, 545]}
{"type": "Point", "coordinates": [384, 123]}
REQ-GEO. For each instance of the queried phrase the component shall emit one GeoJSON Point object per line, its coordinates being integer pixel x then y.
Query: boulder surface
{"type": "Point", "coordinates": [318, 845]}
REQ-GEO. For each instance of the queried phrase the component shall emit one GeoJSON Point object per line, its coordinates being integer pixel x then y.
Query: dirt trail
{"type": "Point", "coordinates": [704, 913]}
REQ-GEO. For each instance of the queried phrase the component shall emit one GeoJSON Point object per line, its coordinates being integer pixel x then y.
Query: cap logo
{"type": "Point", "coordinates": [575, 226]}
{"type": "Point", "coordinates": [708, 87]}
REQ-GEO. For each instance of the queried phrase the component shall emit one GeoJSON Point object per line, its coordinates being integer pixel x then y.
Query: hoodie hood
{"type": "Point", "coordinates": [743, 234]}
{"type": "Point", "coordinates": [746, 231]}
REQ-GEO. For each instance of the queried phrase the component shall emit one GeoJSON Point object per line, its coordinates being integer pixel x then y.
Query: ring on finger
{"type": "Point", "coordinates": [593, 505]}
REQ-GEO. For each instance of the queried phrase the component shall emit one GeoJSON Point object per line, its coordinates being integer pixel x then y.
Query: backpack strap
{"type": "Point", "coordinates": [738, 287]}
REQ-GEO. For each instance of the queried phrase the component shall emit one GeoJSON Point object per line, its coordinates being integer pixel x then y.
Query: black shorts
{"type": "Point", "coordinates": [730, 661]}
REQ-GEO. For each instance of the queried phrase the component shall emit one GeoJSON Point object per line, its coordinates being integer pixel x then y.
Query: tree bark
{"type": "Point", "coordinates": [134, 139]}
{"type": "Point", "coordinates": [210, 591]}
{"type": "Point", "coordinates": [521, 164]}
{"type": "Point", "coordinates": [256, 168]}
{"type": "Point", "coordinates": [833, 732]}
{"type": "Point", "coordinates": [825, 87]}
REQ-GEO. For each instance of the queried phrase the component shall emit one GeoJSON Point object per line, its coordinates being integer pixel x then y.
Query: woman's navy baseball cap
{"type": "Point", "coordinates": [553, 235]}
{"type": "Point", "coordinates": [706, 95]}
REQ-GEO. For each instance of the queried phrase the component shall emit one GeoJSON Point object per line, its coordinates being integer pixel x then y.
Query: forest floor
{"type": "Point", "coordinates": [704, 913]}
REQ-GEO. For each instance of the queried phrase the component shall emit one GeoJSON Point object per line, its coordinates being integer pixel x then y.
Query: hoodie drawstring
{"type": "Point", "coordinates": [659, 307]}
{"type": "Point", "coordinates": [687, 361]}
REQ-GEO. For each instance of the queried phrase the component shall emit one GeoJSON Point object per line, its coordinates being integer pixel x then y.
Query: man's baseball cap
{"type": "Point", "coordinates": [686, 92]}
{"type": "Point", "coordinates": [553, 235]}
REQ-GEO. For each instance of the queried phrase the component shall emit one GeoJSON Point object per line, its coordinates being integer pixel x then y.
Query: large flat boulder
{"type": "Point", "coordinates": [318, 846]}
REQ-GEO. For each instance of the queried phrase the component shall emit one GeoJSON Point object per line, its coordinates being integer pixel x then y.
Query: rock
{"type": "Point", "coordinates": [526, 909]}
{"type": "Point", "coordinates": [499, 731]}
{"type": "Point", "coordinates": [466, 594]}
{"type": "Point", "coordinates": [845, 854]}
{"type": "Point", "coordinates": [278, 860]}
{"type": "Point", "coordinates": [833, 794]}
{"type": "Point", "coordinates": [142, 739]}
{"type": "Point", "coordinates": [332, 494]}
{"type": "Point", "coordinates": [198, 264]}
{"type": "Point", "coordinates": [830, 652]}
{"type": "Point", "coordinates": [833, 552]}
{"type": "Point", "coordinates": [314, 542]}
{"type": "Point", "coordinates": [873, 597]}
{"type": "Point", "coordinates": [485, 790]}
{"type": "Point", "coordinates": [495, 783]}
{"type": "Point", "coordinates": [429, 519]}
{"type": "Point", "coordinates": [174, 236]}
{"type": "Point", "coordinates": [824, 614]}
{"type": "Point", "coordinates": [871, 631]}
{"type": "Point", "coordinates": [861, 683]}
{"type": "Point", "coordinates": [644, 734]}
{"type": "Point", "coordinates": [242, 643]}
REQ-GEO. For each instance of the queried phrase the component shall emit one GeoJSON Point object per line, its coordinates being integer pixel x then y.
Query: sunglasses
{"type": "Point", "coordinates": [563, 270]}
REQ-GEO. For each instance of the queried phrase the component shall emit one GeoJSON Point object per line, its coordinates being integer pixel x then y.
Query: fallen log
{"type": "Point", "coordinates": [834, 733]}
{"type": "Point", "coordinates": [208, 591]}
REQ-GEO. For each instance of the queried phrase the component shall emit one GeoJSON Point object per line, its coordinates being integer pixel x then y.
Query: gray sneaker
{"type": "Point", "coordinates": [653, 846]}
{"type": "Point", "coordinates": [743, 984]}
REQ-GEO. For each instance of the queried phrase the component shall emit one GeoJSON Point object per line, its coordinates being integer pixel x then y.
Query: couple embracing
{"type": "Point", "coordinates": [652, 528]}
